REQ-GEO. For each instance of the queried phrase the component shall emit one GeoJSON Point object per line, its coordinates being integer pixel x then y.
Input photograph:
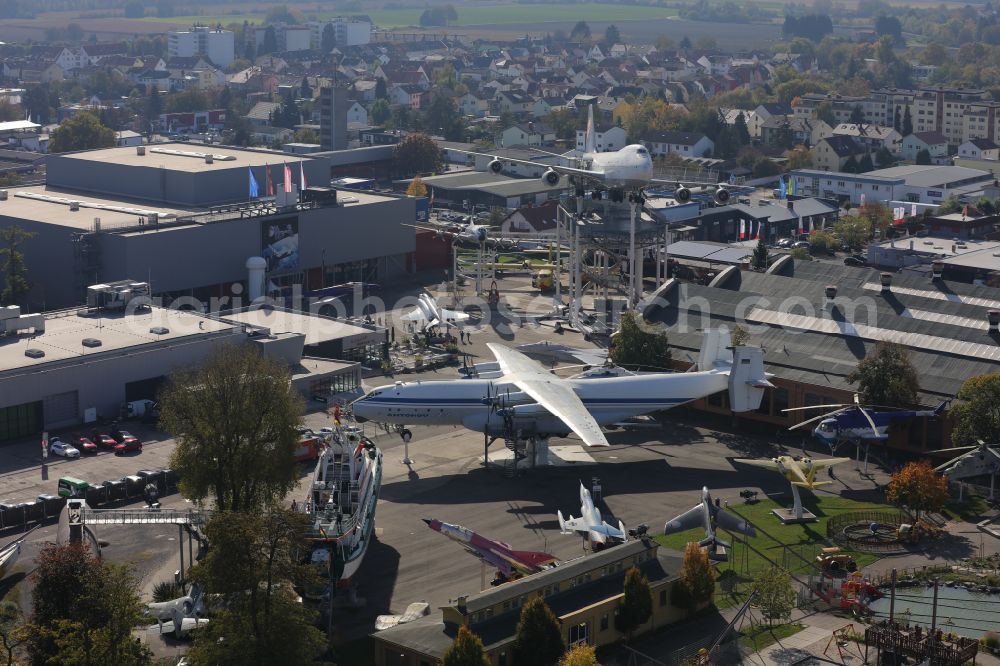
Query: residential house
{"type": "Point", "coordinates": [979, 149]}
{"type": "Point", "coordinates": [474, 104]}
{"type": "Point", "coordinates": [398, 95]}
{"type": "Point", "coordinates": [510, 101]}
{"type": "Point", "coordinates": [607, 138]}
{"type": "Point", "coordinates": [261, 112]}
{"type": "Point", "coordinates": [540, 108]}
{"type": "Point", "coordinates": [527, 134]}
{"type": "Point", "coordinates": [872, 136]}
{"type": "Point", "coordinates": [833, 152]}
{"type": "Point", "coordinates": [271, 136]}
{"type": "Point", "coordinates": [364, 89]}
{"type": "Point", "coordinates": [357, 114]}
{"type": "Point", "coordinates": [532, 219]}
{"type": "Point", "coordinates": [127, 139]}
{"type": "Point", "coordinates": [933, 142]}
{"type": "Point", "coordinates": [685, 144]}
{"type": "Point", "coordinates": [786, 131]}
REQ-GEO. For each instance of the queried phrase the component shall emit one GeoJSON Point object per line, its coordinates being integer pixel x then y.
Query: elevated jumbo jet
{"type": "Point", "coordinates": [527, 401]}
{"type": "Point", "coordinates": [590, 522]}
{"type": "Point", "coordinates": [630, 168]}
{"type": "Point", "coordinates": [708, 514]}
{"type": "Point", "coordinates": [429, 314]}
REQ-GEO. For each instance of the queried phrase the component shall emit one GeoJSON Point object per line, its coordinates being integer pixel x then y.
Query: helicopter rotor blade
{"type": "Point", "coordinates": [870, 421]}
{"type": "Point", "coordinates": [799, 409]}
{"type": "Point", "coordinates": [813, 419]}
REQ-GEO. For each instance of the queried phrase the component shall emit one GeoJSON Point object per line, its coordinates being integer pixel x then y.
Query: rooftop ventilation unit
{"type": "Point", "coordinates": [159, 330]}
{"type": "Point", "coordinates": [91, 342]}
{"type": "Point", "coordinates": [34, 353]}
{"type": "Point", "coordinates": [140, 150]}
{"type": "Point", "coordinates": [3, 195]}
{"type": "Point", "coordinates": [116, 295]}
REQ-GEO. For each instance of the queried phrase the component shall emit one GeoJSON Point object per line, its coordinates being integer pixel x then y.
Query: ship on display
{"type": "Point", "coordinates": [341, 502]}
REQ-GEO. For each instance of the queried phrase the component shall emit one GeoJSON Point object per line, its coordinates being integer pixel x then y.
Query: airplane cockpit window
{"type": "Point", "coordinates": [825, 427]}
{"type": "Point", "coordinates": [641, 151]}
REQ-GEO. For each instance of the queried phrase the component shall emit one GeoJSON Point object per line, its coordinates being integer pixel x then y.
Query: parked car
{"type": "Point", "coordinates": [784, 242]}
{"type": "Point", "coordinates": [83, 443]}
{"type": "Point", "coordinates": [61, 448]}
{"type": "Point", "coordinates": [125, 442]}
{"type": "Point", "coordinates": [853, 261]}
{"type": "Point", "coordinates": [800, 243]}
{"type": "Point", "coordinates": [103, 439]}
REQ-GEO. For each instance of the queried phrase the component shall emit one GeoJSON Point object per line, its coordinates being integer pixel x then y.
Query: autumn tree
{"type": "Point", "coordinates": [466, 650]}
{"type": "Point", "coordinates": [252, 563]}
{"type": "Point", "coordinates": [696, 583]}
{"type": "Point", "coordinates": [886, 377]}
{"type": "Point", "coordinates": [976, 414]}
{"type": "Point", "coordinates": [636, 606]}
{"type": "Point", "coordinates": [539, 640]}
{"type": "Point", "coordinates": [917, 487]}
{"type": "Point", "coordinates": [235, 421]}
{"type": "Point", "coordinates": [416, 188]}
{"type": "Point", "coordinates": [12, 266]}
{"type": "Point", "coordinates": [775, 595]}
{"type": "Point", "coordinates": [635, 348]}
{"type": "Point", "coordinates": [416, 153]}
{"type": "Point", "coordinates": [84, 611]}
{"type": "Point", "coordinates": [11, 634]}
{"type": "Point", "coordinates": [81, 132]}
{"type": "Point", "coordinates": [581, 655]}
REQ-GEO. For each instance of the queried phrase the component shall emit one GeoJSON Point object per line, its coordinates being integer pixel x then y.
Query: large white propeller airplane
{"type": "Point", "coordinates": [430, 314]}
{"type": "Point", "coordinates": [630, 168]}
{"type": "Point", "coordinates": [527, 401]}
{"type": "Point", "coordinates": [590, 522]}
{"type": "Point", "coordinates": [708, 514]}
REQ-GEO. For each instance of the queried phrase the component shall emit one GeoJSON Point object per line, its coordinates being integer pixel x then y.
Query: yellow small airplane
{"type": "Point", "coordinates": [797, 470]}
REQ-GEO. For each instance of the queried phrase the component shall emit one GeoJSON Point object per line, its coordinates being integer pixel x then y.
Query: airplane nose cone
{"type": "Point", "coordinates": [427, 520]}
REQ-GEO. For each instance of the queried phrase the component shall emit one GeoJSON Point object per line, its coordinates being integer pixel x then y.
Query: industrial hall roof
{"type": "Point", "coordinates": [943, 325]}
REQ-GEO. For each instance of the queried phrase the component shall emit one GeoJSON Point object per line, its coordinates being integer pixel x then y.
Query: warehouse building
{"type": "Point", "coordinates": [583, 593]}
{"type": "Point", "coordinates": [67, 367]}
{"type": "Point", "coordinates": [816, 320]}
{"type": "Point", "coordinates": [912, 183]}
{"type": "Point", "coordinates": [181, 217]}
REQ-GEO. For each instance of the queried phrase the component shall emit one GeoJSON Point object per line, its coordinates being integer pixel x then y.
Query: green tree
{"type": "Point", "coordinates": [886, 377]}
{"type": "Point", "coordinates": [634, 348]}
{"type": "Point", "coordinates": [801, 253]}
{"type": "Point", "coordinates": [12, 637]}
{"type": "Point", "coordinates": [917, 487]}
{"type": "Point", "coordinates": [775, 594]}
{"type": "Point", "coordinates": [799, 157]}
{"type": "Point", "coordinates": [13, 268]}
{"type": "Point", "coordinates": [742, 131]}
{"type": "Point", "coordinates": [764, 167]}
{"type": "Point", "coordinates": [379, 111]}
{"type": "Point", "coordinates": [442, 116]}
{"type": "Point", "coordinates": [83, 611]}
{"type": "Point", "coordinates": [824, 111]}
{"type": "Point", "coordinates": [857, 115]}
{"type": "Point", "coordinates": [696, 583]}
{"type": "Point", "coordinates": [306, 135]}
{"type": "Point", "coordinates": [380, 89]}
{"type": "Point", "coordinates": [539, 640]}
{"type": "Point", "coordinates": [580, 32]}
{"type": "Point", "coordinates": [611, 35]}
{"type": "Point", "coordinates": [328, 40]}
{"type": "Point", "coordinates": [740, 336]}
{"type": "Point", "coordinates": [270, 42]}
{"type": "Point", "coordinates": [416, 153]}
{"type": "Point", "coordinates": [759, 259]}
{"type": "Point", "coordinates": [821, 240]}
{"type": "Point", "coordinates": [235, 421]}
{"type": "Point", "coordinates": [976, 414]}
{"type": "Point", "coordinates": [907, 129]}
{"type": "Point", "coordinates": [636, 606]}
{"type": "Point", "coordinates": [305, 90]}
{"type": "Point", "coordinates": [685, 43]}
{"type": "Point", "coordinates": [581, 655]}
{"type": "Point", "coordinates": [951, 204]}
{"type": "Point", "coordinates": [854, 229]}
{"type": "Point", "coordinates": [865, 164]}
{"type": "Point", "coordinates": [253, 562]}
{"type": "Point", "coordinates": [81, 132]}
{"type": "Point", "coordinates": [466, 650]}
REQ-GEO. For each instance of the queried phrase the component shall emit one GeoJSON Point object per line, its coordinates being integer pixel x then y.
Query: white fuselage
{"type": "Point", "coordinates": [591, 515]}
{"type": "Point", "coordinates": [467, 402]}
{"type": "Point", "coordinates": [629, 167]}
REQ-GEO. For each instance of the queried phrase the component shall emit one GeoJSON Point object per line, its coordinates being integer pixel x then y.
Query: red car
{"type": "Point", "coordinates": [125, 442]}
{"type": "Point", "coordinates": [82, 443]}
{"type": "Point", "coordinates": [103, 439]}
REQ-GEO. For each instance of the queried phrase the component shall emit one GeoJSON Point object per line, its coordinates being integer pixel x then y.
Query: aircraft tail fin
{"type": "Point", "coordinates": [747, 379]}
{"type": "Point", "coordinates": [714, 349]}
{"type": "Point", "coordinates": [713, 541]}
{"type": "Point", "coordinates": [590, 138]}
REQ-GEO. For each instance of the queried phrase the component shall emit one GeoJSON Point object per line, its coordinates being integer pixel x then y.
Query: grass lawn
{"type": "Point", "coordinates": [467, 15]}
{"type": "Point", "coordinates": [761, 635]}
{"type": "Point", "coordinates": [804, 540]}
{"type": "Point", "coordinates": [968, 510]}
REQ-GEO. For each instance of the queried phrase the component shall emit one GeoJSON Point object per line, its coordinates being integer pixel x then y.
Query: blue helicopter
{"type": "Point", "coordinates": [858, 423]}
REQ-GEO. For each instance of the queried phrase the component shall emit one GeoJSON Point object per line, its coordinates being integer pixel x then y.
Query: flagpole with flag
{"type": "Point", "coordinates": [782, 188]}
{"type": "Point", "coordinates": [254, 188]}
{"type": "Point", "coordinates": [288, 178]}
{"type": "Point", "coordinates": [302, 176]}
{"type": "Point", "coordinates": [270, 183]}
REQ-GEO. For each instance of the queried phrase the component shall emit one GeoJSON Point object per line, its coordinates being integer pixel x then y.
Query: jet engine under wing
{"type": "Point", "coordinates": [551, 392]}
{"type": "Point", "coordinates": [571, 171]}
{"type": "Point", "coordinates": [693, 517]}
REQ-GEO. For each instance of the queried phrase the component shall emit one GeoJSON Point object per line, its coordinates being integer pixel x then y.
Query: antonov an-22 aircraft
{"type": "Point", "coordinates": [530, 402]}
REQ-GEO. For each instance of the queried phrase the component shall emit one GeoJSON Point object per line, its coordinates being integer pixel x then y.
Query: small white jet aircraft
{"type": "Point", "coordinates": [430, 314]}
{"type": "Point", "coordinates": [590, 522]}
{"type": "Point", "coordinates": [630, 168]}
{"type": "Point", "coordinates": [527, 402]}
{"type": "Point", "coordinates": [708, 515]}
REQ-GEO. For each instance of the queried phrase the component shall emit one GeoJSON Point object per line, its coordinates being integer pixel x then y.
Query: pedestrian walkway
{"type": "Point", "coordinates": [792, 649]}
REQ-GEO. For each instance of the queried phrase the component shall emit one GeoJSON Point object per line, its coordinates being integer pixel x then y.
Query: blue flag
{"type": "Point", "coordinates": [782, 188]}
{"type": "Point", "coordinates": [254, 190]}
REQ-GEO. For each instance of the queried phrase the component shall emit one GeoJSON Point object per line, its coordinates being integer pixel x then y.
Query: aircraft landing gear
{"type": "Point", "coordinates": [406, 436]}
